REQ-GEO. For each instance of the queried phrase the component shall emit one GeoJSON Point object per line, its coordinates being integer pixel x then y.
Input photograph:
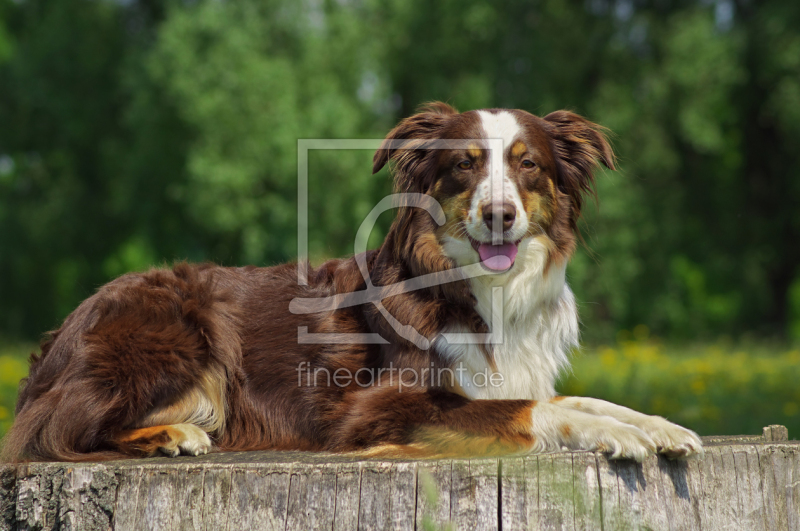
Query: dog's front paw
{"type": "Point", "coordinates": [557, 427]}
{"type": "Point", "coordinates": [672, 440]}
{"type": "Point", "coordinates": [582, 431]}
{"type": "Point", "coordinates": [620, 440]}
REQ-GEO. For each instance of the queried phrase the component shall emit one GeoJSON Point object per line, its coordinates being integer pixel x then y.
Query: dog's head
{"type": "Point", "coordinates": [507, 181]}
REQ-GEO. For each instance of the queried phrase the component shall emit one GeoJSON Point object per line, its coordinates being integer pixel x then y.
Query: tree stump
{"type": "Point", "coordinates": [747, 482]}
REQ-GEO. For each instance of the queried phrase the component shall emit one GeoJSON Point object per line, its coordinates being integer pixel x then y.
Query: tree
{"type": "Point", "coordinates": [138, 133]}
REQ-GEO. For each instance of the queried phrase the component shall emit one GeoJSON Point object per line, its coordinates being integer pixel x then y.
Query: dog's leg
{"type": "Point", "coordinates": [561, 428]}
{"type": "Point", "coordinates": [434, 423]}
{"type": "Point", "coordinates": [171, 440]}
{"type": "Point", "coordinates": [672, 440]}
{"type": "Point", "coordinates": [181, 427]}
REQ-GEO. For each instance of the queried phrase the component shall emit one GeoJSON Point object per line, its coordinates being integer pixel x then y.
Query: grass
{"type": "Point", "coordinates": [13, 367]}
{"type": "Point", "coordinates": [714, 389]}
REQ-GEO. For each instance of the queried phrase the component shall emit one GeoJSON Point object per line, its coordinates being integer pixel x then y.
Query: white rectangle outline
{"type": "Point", "coordinates": [304, 145]}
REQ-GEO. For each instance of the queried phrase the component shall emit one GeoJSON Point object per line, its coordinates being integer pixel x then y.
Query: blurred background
{"type": "Point", "coordinates": [139, 132]}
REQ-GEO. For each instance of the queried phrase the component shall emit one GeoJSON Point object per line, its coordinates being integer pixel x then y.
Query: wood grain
{"type": "Point", "coordinates": [740, 484]}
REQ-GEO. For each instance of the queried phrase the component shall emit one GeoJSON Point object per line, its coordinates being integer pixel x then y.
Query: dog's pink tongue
{"type": "Point", "coordinates": [497, 257]}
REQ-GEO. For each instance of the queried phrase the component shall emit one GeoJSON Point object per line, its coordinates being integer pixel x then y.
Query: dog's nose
{"type": "Point", "coordinates": [508, 213]}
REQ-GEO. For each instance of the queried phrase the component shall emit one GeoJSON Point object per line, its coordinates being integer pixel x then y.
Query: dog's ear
{"type": "Point", "coordinates": [579, 146]}
{"type": "Point", "coordinates": [406, 145]}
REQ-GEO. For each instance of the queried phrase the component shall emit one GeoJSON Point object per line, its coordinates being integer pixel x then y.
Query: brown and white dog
{"type": "Point", "coordinates": [199, 357]}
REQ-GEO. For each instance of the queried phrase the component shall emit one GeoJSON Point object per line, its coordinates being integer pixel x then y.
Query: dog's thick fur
{"type": "Point", "coordinates": [201, 357]}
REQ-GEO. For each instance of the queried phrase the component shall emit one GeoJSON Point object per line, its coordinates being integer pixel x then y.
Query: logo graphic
{"type": "Point", "coordinates": [375, 294]}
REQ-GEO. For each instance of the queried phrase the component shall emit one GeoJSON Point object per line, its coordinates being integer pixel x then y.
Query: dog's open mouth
{"type": "Point", "coordinates": [498, 258]}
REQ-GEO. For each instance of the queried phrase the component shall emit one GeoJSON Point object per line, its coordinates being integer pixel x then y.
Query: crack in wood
{"type": "Point", "coordinates": [750, 485]}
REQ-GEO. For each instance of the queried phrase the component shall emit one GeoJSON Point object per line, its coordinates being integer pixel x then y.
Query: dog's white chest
{"type": "Point", "coordinates": [533, 351]}
{"type": "Point", "coordinates": [524, 368]}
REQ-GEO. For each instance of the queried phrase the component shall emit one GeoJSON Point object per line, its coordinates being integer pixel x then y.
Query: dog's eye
{"type": "Point", "coordinates": [464, 164]}
{"type": "Point", "coordinates": [528, 164]}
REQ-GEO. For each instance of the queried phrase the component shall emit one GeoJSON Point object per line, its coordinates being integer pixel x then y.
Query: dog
{"type": "Point", "coordinates": [445, 341]}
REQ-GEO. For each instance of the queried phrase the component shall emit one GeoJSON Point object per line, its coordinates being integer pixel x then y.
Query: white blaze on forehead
{"type": "Point", "coordinates": [501, 129]}
{"type": "Point", "coordinates": [502, 125]}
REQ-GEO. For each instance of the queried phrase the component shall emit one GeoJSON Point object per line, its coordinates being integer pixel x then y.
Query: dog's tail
{"type": "Point", "coordinates": [46, 430]}
{"type": "Point", "coordinates": [57, 418]}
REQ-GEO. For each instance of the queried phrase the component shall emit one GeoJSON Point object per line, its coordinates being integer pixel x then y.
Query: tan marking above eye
{"type": "Point", "coordinates": [474, 151]}
{"type": "Point", "coordinates": [518, 149]}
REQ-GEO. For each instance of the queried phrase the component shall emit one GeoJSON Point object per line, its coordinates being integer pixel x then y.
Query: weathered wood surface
{"type": "Point", "coordinates": [743, 483]}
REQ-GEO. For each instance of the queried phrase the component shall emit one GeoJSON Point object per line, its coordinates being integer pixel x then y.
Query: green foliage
{"type": "Point", "coordinates": [714, 389]}
{"type": "Point", "coordinates": [250, 79]}
{"type": "Point", "coordinates": [13, 367]}
{"type": "Point", "coordinates": [140, 133]}
{"type": "Point", "coordinates": [57, 116]}
{"type": "Point", "coordinates": [430, 493]}
{"type": "Point", "coordinates": [698, 254]}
